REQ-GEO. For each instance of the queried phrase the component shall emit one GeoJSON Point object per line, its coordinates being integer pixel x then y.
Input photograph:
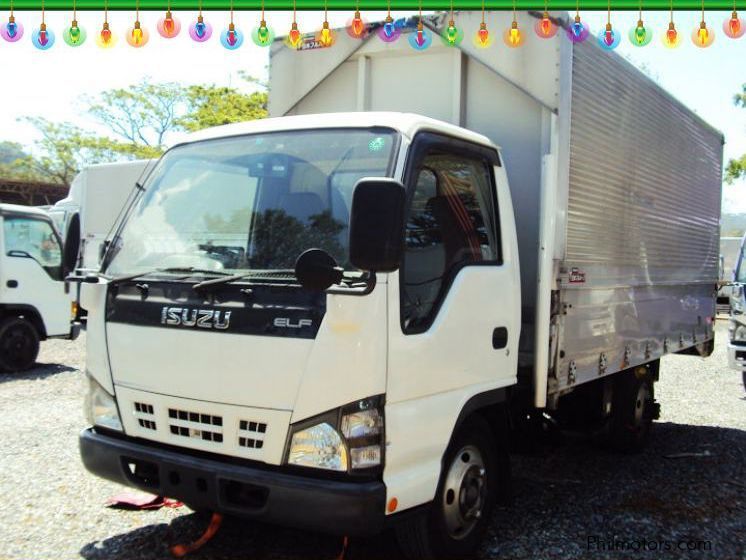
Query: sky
{"type": "Point", "coordinates": [52, 83]}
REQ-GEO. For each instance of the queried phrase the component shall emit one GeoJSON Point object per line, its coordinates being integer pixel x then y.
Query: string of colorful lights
{"type": "Point", "coordinates": [388, 31]}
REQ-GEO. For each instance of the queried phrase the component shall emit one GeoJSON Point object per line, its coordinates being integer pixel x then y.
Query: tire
{"type": "Point", "coordinates": [19, 344]}
{"type": "Point", "coordinates": [633, 409]}
{"type": "Point", "coordinates": [743, 377]}
{"type": "Point", "coordinates": [454, 525]}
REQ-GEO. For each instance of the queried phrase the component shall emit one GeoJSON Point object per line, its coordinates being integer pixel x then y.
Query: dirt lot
{"type": "Point", "coordinates": [571, 498]}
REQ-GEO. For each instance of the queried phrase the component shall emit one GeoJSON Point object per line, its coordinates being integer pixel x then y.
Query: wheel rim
{"type": "Point", "coordinates": [641, 405]}
{"type": "Point", "coordinates": [464, 492]}
{"type": "Point", "coordinates": [17, 346]}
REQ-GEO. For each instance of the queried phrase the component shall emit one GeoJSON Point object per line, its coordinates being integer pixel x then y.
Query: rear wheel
{"type": "Point", "coordinates": [743, 377]}
{"type": "Point", "coordinates": [459, 515]}
{"type": "Point", "coordinates": [19, 344]}
{"type": "Point", "coordinates": [633, 410]}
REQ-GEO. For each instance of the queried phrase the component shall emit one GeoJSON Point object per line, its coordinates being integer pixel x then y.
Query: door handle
{"type": "Point", "coordinates": [12, 283]}
{"type": "Point", "coordinates": [499, 338]}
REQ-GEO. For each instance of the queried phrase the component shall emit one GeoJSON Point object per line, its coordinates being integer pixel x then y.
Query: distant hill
{"type": "Point", "coordinates": [732, 225]}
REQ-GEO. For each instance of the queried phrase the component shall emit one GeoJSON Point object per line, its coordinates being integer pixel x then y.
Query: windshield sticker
{"type": "Point", "coordinates": [377, 144]}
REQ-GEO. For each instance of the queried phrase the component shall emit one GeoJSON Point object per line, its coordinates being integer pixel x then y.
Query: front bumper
{"type": "Point", "coordinates": [330, 506]}
{"type": "Point", "coordinates": [737, 356]}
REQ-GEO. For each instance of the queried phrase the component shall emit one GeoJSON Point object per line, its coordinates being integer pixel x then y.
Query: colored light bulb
{"type": "Point", "coordinates": [231, 38]}
{"type": "Point", "coordinates": [703, 36]}
{"type": "Point", "coordinates": [733, 27]}
{"type": "Point", "coordinates": [356, 26]}
{"type": "Point", "coordinates": [200, 30]}
{"type": "Point", "coordinates": [421, 39]}
{"type": "Point", "coordinates": [639, 36]}
{"type": "Point", "coordinates": [482, 39]}
{"type": "Point", "coordinates": [326, 36]}
{"type": "Point", "coordinates": [74, 35]}
{"type": "Point", "coordinates": [43, 38]}
{"type": "Point", "coordinates": [105, 38]}
{"type": "Point", "coordinates": [11, 31]}
{"type": "Point", "coordinates": [513, 37]}
{"type": "Point", "coordinates": [671, 37]}
{"type": "Point", "coordinates": [452, 35]}
{"type": "Point", "coordinates": [168, 26]}
{"type": "Point", "coordinates": [389, 31]}
{"type": "Point", "coordinates": [137, 36]}
{"type": "Point", "coordinates": [578, 31]}
{"type": "Point", "coordinates": [545, 27]}
{"type": "Point", "coordinates": [294, 37]}
{"type": "Point", "coordinates": [262, 35]}
{"type": "Point", "coordinates": [609, 39]}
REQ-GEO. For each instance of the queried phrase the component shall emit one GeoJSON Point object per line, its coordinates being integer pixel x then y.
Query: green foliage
{"type": "Point", "coordinates": [142, 114]}
{"type": "Point", "coordinates": [214, 106]}
{"type": "Point", "coordinates": [736, 168]}
{"type": "Point", "coordinates": [139, 118]}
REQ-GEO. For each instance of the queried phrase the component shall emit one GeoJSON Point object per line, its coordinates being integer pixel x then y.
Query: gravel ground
{"type": "Point", "coordinates": [571, 498]}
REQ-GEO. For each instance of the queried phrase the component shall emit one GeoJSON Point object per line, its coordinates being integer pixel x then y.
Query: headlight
{"type": "Point", "coordinates": [101, 407]}
{"type": "Point", "coordinates": [319, 447]}
{"type": "Point", "coordinates": [738, 333]}
{"type": "Point", "coordinates": [349, 438]}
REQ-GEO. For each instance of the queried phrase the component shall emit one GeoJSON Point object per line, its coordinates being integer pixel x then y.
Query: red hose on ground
{"type": "Point", "coordinates": [181, 550]}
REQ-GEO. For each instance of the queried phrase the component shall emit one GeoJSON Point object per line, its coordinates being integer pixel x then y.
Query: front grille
{"type": "Point", "coordinates": [187, 423]}
{"type": "Point", "coordinates": [251, 434]}
{"type": "Point", "coordinates": [144, 412]}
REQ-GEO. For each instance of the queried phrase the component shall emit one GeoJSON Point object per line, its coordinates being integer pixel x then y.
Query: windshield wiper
{"type": "Point", "coordinates": [287, 272]}
{"type": "Point", "coordinates": [177, 269]}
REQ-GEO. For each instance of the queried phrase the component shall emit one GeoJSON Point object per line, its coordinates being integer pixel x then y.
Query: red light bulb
{"type": "Point", "coordinates": [357, 24]}
{"type": "Point", "coordinates": [484, 35]}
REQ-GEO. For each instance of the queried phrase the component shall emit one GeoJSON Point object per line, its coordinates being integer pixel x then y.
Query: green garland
{"type": "Point", "coordinates": [378, 5]}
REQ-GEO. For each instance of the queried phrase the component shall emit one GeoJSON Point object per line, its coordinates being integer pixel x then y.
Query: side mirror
{"type": "Point", "coordinates": [72, 245]}
{"type": "Point", "coordinates": [377, 224]}
{"type": "Point", "coordinates": [316, 270]}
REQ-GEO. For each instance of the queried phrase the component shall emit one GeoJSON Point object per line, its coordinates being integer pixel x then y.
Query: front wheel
{"type": "Point", "coordinates": [743, 377]}
{"type": "Point", "coordinates": [459, 515]}
{"type": "Point", "coordinates": [19, 344]}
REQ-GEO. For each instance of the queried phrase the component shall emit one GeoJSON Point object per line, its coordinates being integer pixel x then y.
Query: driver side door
{"type": "Point", "coordinates": [32, 271]}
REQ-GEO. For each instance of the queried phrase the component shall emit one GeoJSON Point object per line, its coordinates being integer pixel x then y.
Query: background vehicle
{"type": "Point", "coordinates": [444, 286]}
{"type": "Point", "coordinates": [96, 198]}
{"type": "Point", "coordinates": [729, 250]}
{"type": "Point", "coordinates": [33, 301]}
{"type": "Point", "coordinates": [737, 329]}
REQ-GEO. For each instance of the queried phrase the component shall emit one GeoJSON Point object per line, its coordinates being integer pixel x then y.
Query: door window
{"type": "Point", "coordinates": [29, 237]}
{"type": "Point", "coordinates": [451, 224]}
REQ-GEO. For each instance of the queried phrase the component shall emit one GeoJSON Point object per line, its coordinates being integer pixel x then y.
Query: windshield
{"type": "Point", "coordinates": [251, 203]}
{"type": "Point", "coordinates": [740, 275]}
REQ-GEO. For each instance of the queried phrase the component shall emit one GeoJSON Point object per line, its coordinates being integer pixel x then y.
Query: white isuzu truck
{"type": "Point", "coordinates": [34, 304]}
{"type": "Point", "coordinates": [333, 321]}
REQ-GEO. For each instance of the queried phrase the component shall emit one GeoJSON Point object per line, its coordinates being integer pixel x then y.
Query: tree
{"type": "Point", "coordinates": [214, 106]}
{"type": "Point", "coordinates": [736, 168]}
{"type": "Point", "coordinates": [142, 114]}
{"type": "Point", "coordinates": [65, 148]}
{"type": "Point", "coordinates": [211, 105]}
{"type": "Point", "coordinates": [139, 118]}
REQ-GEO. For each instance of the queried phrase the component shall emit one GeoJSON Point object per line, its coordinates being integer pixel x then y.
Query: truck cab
{"type": "Point", "coordinates": [230, 373]}
{"type": "Point", "coordinates": [34, 302]}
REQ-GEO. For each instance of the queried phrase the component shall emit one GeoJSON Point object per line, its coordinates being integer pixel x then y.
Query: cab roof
{"type": "Point", "coordinates": [407, 124]}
